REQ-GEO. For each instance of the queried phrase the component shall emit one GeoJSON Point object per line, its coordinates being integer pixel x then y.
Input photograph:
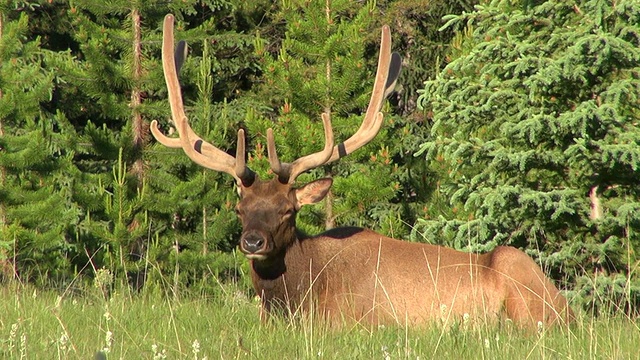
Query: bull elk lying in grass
{"type": "Point", "coordinates": [353, 274]}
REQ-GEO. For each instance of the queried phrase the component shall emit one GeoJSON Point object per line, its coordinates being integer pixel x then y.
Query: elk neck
{"type": "Point", "coordinates": [276, 265]}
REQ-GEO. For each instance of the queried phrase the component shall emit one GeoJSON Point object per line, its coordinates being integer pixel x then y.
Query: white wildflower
{"type": "Point", "coordinates": [385, 353]}
{"type": "Point", "coordinates": [195, 348]}
{"type": "Point", "coordinates": [62, 342]}
{"type": "Point", "coordinates": [158, 355]}
{"type": "Point", "coordinates": [103, 279]}
{"type": "Point", "coordinates": [108, 341]}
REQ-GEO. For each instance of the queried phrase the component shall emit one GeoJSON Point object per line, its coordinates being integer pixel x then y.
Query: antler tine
{"type": "Point", "coordinates": [241, 171]}
{"type": "Point", "coordinates": [162, 138]}
{"type": "Point", "coordinates": [198, 150]}
{"type": "Point", "coordinates": [386, 76]}
{"type": "Point", "coordinates": [288, 172]}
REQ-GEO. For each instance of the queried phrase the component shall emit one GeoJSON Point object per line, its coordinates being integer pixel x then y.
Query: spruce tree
{"type": "Point", "coordinates": [535, 140]}
{"type": "Point", "coordinates": [425, 47]}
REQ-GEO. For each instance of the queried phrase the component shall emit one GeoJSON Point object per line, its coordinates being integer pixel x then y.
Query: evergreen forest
{"type": "Point", "coordinates": [514, 122]}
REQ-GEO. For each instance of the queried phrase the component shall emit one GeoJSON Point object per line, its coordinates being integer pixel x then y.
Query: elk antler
{"type": "Point", "coordinates": [386, 75]}
{"type": "Point", "coordinates": [288, 172]}
{"type": "Point", "coordinates": [198, 150]}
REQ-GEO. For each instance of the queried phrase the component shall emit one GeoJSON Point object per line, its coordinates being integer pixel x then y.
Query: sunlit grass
{"type": "Point", "coordinates": [46, 325]}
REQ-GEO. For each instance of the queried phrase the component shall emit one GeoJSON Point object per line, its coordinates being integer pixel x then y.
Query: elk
{"type": "Point", "coordinates": [352, 274]}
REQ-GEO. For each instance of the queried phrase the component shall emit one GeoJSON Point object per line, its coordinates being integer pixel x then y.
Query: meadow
{"type": "Point", "coordinates": [36, 324]}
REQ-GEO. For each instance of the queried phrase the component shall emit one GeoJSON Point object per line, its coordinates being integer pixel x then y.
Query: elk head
{"type": "Point", "coordinates": [267, 209]}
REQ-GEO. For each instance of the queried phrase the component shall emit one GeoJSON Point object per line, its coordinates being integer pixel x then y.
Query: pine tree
{"type": "Point", "coordinates": [102, 95]}
{"type": "Point", "coordinates": [195, 206]}
{"type": "Point", "coordinates": [535, 139]}
{"type": "Point", "coordinates": [140, 200]}
{"type": "Point", "coordinates": [37, 212]}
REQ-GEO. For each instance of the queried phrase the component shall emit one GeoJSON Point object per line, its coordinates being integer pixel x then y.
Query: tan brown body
{"type": "Point", "coordinates": [352, 274]}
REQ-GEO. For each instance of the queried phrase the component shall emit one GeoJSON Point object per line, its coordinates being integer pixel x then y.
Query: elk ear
{"type": "Point", "coordinates": [313, 192]}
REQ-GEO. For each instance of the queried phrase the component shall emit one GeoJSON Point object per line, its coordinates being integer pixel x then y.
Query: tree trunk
{"type": "Point", "coordinates": [138, 127]}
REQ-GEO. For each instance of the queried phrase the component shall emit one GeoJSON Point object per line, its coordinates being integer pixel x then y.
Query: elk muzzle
{"type": "Point", "coordinates": [254, 245]}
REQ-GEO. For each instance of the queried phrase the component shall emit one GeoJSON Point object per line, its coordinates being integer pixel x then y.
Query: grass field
{"type": "Point", "coordinates": [46, 325]}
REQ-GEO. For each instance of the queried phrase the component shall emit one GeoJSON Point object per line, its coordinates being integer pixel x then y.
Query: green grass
{"type": "Point", "coordinates": [44, 325]}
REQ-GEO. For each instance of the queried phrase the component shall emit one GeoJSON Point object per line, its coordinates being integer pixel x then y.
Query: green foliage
{"type": "Point", "coordinates": [34, 161]}
{"type": "Point", "coordinates": [537, 107]}
{"type": "Point", "coordinates": [111, 236]}
{"type": "Point", "coordinates": [105, 80]}
{"type": "Point", "coordinates": [193, 208]}
{"type": "Point", "coordinates": [425, 46]}
{"type": "Point", "coordinates": [538, 110]}
{"type": "Point", "coordinates": [137, 205]}
{"type": "Point", "coordinates": [321, 63]}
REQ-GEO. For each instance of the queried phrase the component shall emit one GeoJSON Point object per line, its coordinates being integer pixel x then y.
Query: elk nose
{"type": "Point", "coordinates": [252, 243]}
